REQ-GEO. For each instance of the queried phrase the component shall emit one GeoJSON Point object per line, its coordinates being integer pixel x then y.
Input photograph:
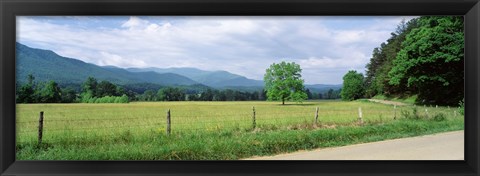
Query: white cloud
{"type": "Point", "coordinates": [107, 58]}
{"type": "Point", "coordinates": [242, 45]}
{"type": "Point", "coordinates": [135, 22]}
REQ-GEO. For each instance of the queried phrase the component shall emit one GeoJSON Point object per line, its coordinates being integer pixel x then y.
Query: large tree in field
{"type": "Point", "coordinates": [353, 86]}
{"type": "Point", "coordinates": [432, 60]}
{"type": "Point", "coordinates": [284, 81]}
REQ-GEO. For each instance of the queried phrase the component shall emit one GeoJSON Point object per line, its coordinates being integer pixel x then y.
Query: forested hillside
{"type": "Point", "coordinates": [423, 57]}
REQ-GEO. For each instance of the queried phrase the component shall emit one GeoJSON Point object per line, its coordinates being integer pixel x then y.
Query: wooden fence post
{"type": "Point", "coordinates": [360, 115]}
{"type": "Point", "coordinates": [168, 123]}
{"type": "Point", "coordinates": [40, 128]}
{"type": "Point", "coordinates": [394, 112]}
{"type": "Point", "coordinates": [254, 123]}
{"type": "Point", "coordinates": [316, 116]}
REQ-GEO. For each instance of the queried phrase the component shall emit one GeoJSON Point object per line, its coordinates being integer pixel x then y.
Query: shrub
{"type": "Point", "coordinates": [107, 99]}
{"type": "Point", "coordinates": [117, 99]}
{"type": "Point", "coordinates": [440, 117]}
{"type": "Point", "coordinates": [412, 115]}
{"type": "Point", "coordinates": [124, 99]}
{"type": "Point", "coordinates": [92, 100]}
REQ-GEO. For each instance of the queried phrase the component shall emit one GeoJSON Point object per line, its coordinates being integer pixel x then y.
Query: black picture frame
{"type": "Point", "coordinates": [9, 9]}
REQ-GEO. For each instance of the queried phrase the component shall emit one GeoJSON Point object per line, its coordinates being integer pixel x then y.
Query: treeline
{"type": "Point", "coordinates": [330, 94]}
{"type": "Point", "coordinates": [181, 94]}
{"type": "Point", "coordinates": [94, 91]}
{"type": "Point", "coordinates": [91, 92]}
{"type": "Point", "coordinates": [44, 92]}
{"type": "Point", "coordinates": [103, 92]}
{"type": "Point", "coordinates": [423, 57]}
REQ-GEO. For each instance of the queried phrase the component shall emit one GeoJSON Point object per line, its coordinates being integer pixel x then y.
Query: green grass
{"type": "Point", "coordinates": [407, 100]}
{"type": "Point", "coordinates": [211, 130]}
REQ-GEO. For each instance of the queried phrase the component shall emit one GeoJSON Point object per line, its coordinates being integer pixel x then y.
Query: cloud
{"type": "Point", "coordinates": [107, 58]}
{"type": "Point", "coordinates": [135, 22]}
{"type": "Point", "coordinates": [241, 45]}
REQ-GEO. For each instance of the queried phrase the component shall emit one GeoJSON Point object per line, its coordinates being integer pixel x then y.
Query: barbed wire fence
{"type": "Point", "coordinates": [197, 123]}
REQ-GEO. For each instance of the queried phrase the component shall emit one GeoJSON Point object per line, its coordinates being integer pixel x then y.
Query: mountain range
{"type": "Point", "coordinates": [216, 79]}
{"type": "Point", "coordinates": [47, 65]}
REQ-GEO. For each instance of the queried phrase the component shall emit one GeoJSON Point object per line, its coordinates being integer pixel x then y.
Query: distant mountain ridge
{"type": "Point", "coordinates": [217, 79]}
{"type": "Point", "coordinates": [47, 65]}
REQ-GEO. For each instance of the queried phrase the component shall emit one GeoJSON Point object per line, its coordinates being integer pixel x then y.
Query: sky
{"type": "Point", "coordinates": [326, 48]}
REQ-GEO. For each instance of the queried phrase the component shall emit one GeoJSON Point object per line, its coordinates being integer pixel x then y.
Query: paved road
{"type": "Point", "coordinates": [442, 146]}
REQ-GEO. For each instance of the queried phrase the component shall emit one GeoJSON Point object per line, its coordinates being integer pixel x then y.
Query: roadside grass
{"type": "Point", "coordinates": [211, 130]}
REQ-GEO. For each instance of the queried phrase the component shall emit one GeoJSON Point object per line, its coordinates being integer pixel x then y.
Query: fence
{"type": "Point", "coordinates": [247, 120]}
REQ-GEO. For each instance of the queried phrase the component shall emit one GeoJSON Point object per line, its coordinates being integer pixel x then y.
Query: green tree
{"type": "Point", "coordinates": [330, 94]}
{"type": "Point", "coordinates": [149, 95]}
{"type": "Point", "coordinates": [89, 89]}
{"type": "Point", "coordinates": [284, 81]}
{"type": "Point", "coordinates": [50, 93]}
{"type": "Point", "coordinates": [171, 94]}
{"type": "Point", "coordinates": [353, 86]}
{"type": "Point", "coordinates": [220, 96]}
{"type": "Point", "coordinates": [207, 95]}
{"type": "Point", "coordinates": [432, 60]}
{"type": "Point", "coordinates": [26, 92]}
{"type": "Point", "coordinates": [68, 95]}
{"type": "Point", "coordinates": [105, 88]}
{"type": "Point", "coordinates": [377, 78]}
{"type": "Point", "coordinates": [309, 94]}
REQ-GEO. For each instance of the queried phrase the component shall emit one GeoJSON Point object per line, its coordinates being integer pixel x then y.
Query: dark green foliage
{"type": "Point", "coordinates": [89, 87]}
{"type": "Point", "coordinates": [377, 78]}
{"type": "Point", "coordinates": [182, 94]}
{"type": "Point", "coordinates": [50, 93]}
{"type": "Point", "coordinates": [142, 87]}
{"type": "Point", "coordinates": [68, 95]}
{"type": "Point", "coordinates": [423, 57]}
{"type": "Point", "coordinates": [331, 94]}
{"type": "Point", "coordinates": [353, 86]}
{"type": "Point", "coordinates": [171, 94]}
{"type": "Point", "coordinates": [284, 81]}
{"type": "Point", "coordinates": [105, 88]}
{"type": "Point", "coordinates": [309, 94]}
{"type": "Point", "coordinates": [207, 95]}
{"type": "Point", "coordinates": [26, 92]}
{"type": "Point", "coordinates": [44, 92]}
{"type": "Point", "coordinates": [148, 95]}
{"type": "Point", "coordinates": [103, 92]}
{"type": "Point", "coordinates": [431, 60]}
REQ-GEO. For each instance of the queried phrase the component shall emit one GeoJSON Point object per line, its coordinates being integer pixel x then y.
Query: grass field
{"type": "Point", "coordinates": [212, 130]}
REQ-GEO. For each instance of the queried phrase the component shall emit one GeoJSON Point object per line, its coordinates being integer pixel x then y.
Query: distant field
{"type": "Point", "coordinates": [210, 130]}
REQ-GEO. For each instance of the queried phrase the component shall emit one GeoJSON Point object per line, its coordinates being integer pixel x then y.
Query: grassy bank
{"type": "Point", "coordinates": [212, 135]}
